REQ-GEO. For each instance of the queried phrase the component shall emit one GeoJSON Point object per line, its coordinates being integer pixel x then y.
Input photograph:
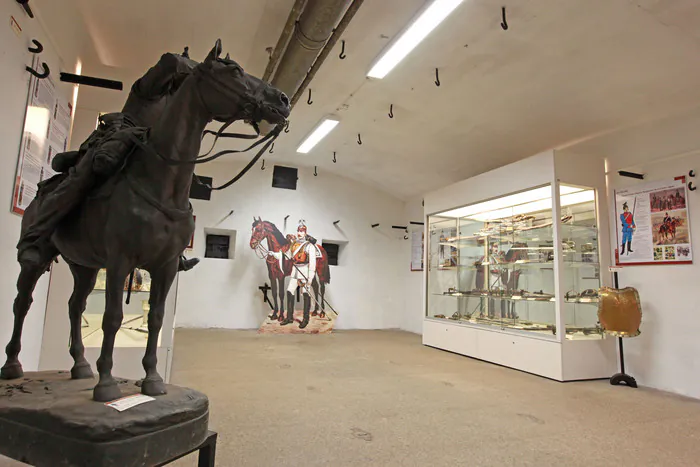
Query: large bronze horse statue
{"type": "Point", "coordinates": [143, 218]}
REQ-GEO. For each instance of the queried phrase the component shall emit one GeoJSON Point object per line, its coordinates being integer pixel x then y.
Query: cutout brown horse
{"type": "Point", "coordinates": [145, 220]}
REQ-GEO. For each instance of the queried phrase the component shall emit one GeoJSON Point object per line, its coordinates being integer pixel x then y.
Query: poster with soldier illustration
{"type": "Point", "coordinates": [653, 226]}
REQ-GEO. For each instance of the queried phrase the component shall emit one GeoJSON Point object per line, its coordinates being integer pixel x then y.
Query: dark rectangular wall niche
{"type": "Point", "coordinates": [332, 250]}
{"type": "Point", "coordinates": [217, 246]}
{"type": "Point", "coordinates": [198, 191]}
{"type": "Point", "coordinates": [284, 177]}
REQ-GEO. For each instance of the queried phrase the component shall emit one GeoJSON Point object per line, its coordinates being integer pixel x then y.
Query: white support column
{"type": "Point", "coordinates": [558, 262]}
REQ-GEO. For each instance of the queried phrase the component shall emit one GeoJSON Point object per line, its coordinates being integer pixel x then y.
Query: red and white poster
{"type": "Point", "coordinates": [46, 131]}
{"type": "Point", "coordinates": [653, 226]}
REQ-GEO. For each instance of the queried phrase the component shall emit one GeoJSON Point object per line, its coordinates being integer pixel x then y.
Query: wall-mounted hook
{"type": "Point", "coordinates": [359, 139]}
{"type": "Point", "coordinates": [391, 111]}
{"type": "Point", "coordinates": [334, 160]}
{"type": "Point", "coordinates": [336, 222]}
{"type": "Point", "coordinates": [309, 101]}
{"type": "Point", "coordinates": [375, 225]}
{"type": "Point", "coordinates": [315, 172]}
{"type": "Point", "coordinates": [342, 50]}
{"type": "Point", "coordinates": [504, 23]}
{"type": "Point", "coordinates": [286, 127]}
{"type": "Point", "coordinates": [263, 165]}
{"type": "Point", "coordinates": [272, 148]}
{"type": "Point", "coordinates": [691, 173]}
{"type": "Point", "coordinates": [37, 49]}
{"type": "Point", "coordinates": [691, 187]}
{"type": "Point", "coordinates": [286, 217]}
{"type": "Point", "coordinates": [437, 77]}
{"type": "Point", "coordinates": [43, 75]}
{"type": "Point", "coordinates": [186, 52]}
{"type": "Point", "coordinates": [27, 8]}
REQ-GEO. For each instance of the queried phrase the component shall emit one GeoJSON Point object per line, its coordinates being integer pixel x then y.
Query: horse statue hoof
{"type": "Point", "coordinates": [11, 371]}
{"type": "Point", "coordinates": [314, 313]}
{"type": "Point", "coordinates": [153, 387]}
{"type": "Point", "coordinates": [106, 392]}
{"type": "Point", "coordinates": [81, 371]}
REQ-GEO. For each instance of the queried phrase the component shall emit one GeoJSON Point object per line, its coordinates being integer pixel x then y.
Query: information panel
{"type": "Point", "coordinates": [46, 132]}
{"type": "Point", "coordinates": [653, 226]}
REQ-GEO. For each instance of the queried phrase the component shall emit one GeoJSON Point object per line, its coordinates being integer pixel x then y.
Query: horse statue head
{"type": "Point", "coordinates": [229, 93]}
{"type": "Point", "coordinates": [266, 230]}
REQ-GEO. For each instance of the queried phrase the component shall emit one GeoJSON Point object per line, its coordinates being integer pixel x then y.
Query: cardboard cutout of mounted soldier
{"type": "Point", "coordinates": [102, 153]}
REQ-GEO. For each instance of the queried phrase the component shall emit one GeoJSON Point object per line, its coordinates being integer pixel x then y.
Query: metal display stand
{"type": "Point", "coordinates": [622, 377]}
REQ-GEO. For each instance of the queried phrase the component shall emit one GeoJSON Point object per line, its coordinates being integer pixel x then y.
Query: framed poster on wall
{"type": "Point", "coordinates": [46, 131]}
{"type": "Point", "coordinates": [653, 225]}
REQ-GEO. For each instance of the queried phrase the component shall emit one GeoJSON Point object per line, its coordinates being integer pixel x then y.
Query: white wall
{"type": "Point", "coordinates": [665, 355]}
{"type": "Point", "coordinates": [367, 287]}
{"type": "Point", "coordinates": [13, 95]}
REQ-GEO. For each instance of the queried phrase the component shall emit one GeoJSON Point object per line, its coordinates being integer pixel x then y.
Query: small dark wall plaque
{"type": "Point", "coordinates": [284, 177]}
{"type": "Point", "coordinates": [332, 250]}
{"type": "Point", "coordinates": [198, 191]}
{"type": "Point", "coordinates": [217, 246]}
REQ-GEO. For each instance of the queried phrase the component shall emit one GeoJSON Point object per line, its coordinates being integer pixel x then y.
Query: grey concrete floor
{"type": "Point", "coordinates": [380, 398]}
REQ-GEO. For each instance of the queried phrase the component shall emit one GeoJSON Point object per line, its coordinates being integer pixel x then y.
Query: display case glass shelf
{"type": "Point", "coordinates": [495, 263]}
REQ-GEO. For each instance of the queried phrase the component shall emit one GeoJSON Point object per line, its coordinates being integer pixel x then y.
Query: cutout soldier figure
{"type": "Point", "coordinates": [304, 253]}
{"type": "Point", "coordinates": [103, 153]}
{"type": "Point", "coordinates": [628, 228]}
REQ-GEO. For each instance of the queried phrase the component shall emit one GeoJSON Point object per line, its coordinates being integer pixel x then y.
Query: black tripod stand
{"type": "Point", "coordinates": [622, 377]}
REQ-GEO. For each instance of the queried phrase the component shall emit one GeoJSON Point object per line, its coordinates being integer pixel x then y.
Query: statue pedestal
{"type": "Point", "coordinates": [47, 419]}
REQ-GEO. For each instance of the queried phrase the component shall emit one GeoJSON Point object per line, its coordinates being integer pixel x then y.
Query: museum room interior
{"type": "Point", "coordinates": [447, 232]}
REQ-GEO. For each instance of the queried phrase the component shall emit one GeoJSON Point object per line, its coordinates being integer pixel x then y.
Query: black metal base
{"type": "Point", "coordinates": [623, 378]}
{"type": "Point", "coordinates": [207, 452]}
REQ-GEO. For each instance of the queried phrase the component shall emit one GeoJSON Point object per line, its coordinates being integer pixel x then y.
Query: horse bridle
{"type": "Point", "coordinates": [268, 139]}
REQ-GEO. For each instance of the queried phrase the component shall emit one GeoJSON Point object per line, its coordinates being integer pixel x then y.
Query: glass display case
{"type": "Point", "coordinates": [501, 263]}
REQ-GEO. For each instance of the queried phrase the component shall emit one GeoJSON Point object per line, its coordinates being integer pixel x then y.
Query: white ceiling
{"type": "Point", "coordinates": [565, 71]}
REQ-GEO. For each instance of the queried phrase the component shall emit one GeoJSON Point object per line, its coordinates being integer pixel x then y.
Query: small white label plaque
{"type": "Point", "coordinates": [128, 402]}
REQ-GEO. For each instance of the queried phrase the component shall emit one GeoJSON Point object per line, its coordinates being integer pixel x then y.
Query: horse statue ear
{"type": "Point", "coordinates": [215, 52]}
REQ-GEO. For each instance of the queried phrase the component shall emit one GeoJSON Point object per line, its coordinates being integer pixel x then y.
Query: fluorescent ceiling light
{"type": "Point", "coordinates": [317, 135]}
{"type": "Point", "coordinates": [421, 27]}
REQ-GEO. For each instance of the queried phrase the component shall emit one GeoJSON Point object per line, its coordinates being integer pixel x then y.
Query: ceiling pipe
{"type": "Point", "coordinates": [309, 41]}
{"type": "Point", "coordinates": [284, 38]}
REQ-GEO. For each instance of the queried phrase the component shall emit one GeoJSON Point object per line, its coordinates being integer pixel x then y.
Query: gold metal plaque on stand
{"type": "Point", "coordinates": [620, 311]}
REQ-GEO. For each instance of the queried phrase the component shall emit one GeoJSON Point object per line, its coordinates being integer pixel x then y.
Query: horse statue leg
{"type": "Point", "coordinates": [28, 277]}
{"type": "Point", "coordinates": [84, 281]}
{"type": "Point", "coordinates": [314, 286]}
{"type": "Point", "coordinates": [161, 280]}
{"type": "Point", "coordinates": [323, 300]}
{"type": "Point", "coordinates": [107, 389]}
{"type": "Point", "coordinates": [281, 289]}
{"type": "Point", "coordinates": [273, 286]}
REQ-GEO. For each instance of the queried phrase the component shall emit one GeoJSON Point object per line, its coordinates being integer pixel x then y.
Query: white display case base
{"type": "Point", "coordinates": [570, 360]}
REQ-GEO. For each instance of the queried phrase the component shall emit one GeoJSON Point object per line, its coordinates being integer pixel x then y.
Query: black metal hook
{"type": "Point", "coordinates": [309, 101]}
{"type": "Point", "coordinates": [38, 47]}
{"type": "Point", "coordinates": [43, 75]}
{"type": "Point", "coordinates": [359, 139]}
{"type": "Point", "coordinates": [504, 23]}
{"type": "Point", "coordinates": [375, 225]}
{"type": "Point", "coordinates": [334, 160]}
{"type": "Point", "coordinates": [342, 50]}
{"type": "Point", "coordinates": [186, 52]}
{"type": "Point", "coordinates": [27, 9]}
{"type": "Point", "coordinates": [315, 172]}
{"type": "Point", "coordinates": [391, 111]}
{"type": "Point", "coordinates": [691, 187]}
{"type": "Point", "coordinates": [691, 173]}
{"type": "Point", "coordinates": [271, 148]}
{"type": "Point", "coordinates": [437, 77]}
{"type": "Point", "coordinates": [263, 165]}
{"type": "Point", "coordinates": [286, 127]}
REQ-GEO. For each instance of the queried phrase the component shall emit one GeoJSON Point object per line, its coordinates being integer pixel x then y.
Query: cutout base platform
{"type": "Point", "coordinates": [47, 419]}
